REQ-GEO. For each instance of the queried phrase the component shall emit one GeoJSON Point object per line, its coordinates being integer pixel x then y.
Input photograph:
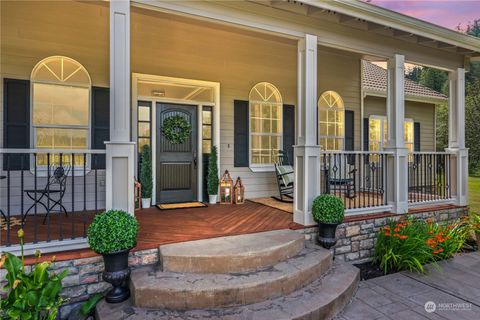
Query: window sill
{"type": "Point", "coordinates": [263, 168]}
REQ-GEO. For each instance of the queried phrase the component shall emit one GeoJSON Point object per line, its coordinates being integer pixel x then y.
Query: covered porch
{"type": "Point", "coordinates": [151, 60]}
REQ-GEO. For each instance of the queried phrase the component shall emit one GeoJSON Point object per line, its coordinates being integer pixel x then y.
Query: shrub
{"type": "Point", "coordinates": [475, 222]}
{"type": "Point", "coordinates": [112, 231]}
{"type": "Point", "coordinates": [328, 209]}
{"type": "Point", "coordinates": [212, 176]}
{"type": "Point", "coordinates": [146, 172]}
{"type": "Point", "coordinates": [409, 244]}
{"type": "Point", "coordinates": [33, 295]}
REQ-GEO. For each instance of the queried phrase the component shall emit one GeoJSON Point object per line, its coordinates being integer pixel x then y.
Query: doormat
{"type": "Point", "coordinates": [274, 203]}
{"type": "Point", "coordinates": [181, 205]}
{"type": "Point", "coordinates": [13, 222]}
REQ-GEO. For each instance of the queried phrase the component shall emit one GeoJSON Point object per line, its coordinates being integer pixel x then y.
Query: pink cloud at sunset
{"type": "Point", "coordinates": [447, 13]}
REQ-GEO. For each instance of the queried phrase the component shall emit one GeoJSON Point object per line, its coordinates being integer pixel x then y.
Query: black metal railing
{"type": "Point", "coordinates": [51, 194]}
{"type": "Point", "coordinates": [358, 178]}
{"type": "Point", "coordinates": [429, 176]}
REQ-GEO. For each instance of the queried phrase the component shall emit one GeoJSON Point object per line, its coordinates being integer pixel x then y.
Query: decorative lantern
{"type": "Point", "coordinates": [238, 191]}
{"type": "Point", "coordinates": [226, 189]}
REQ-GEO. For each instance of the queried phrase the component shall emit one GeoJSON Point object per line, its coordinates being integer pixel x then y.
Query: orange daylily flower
{"type": "Point", "coordinates": [403, 237]}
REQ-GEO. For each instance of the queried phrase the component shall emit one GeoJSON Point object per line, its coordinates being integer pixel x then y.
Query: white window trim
{"type": "Point", "coordinates": [267, 167]}
{"type": "Point", "coordinates": [42, 170]}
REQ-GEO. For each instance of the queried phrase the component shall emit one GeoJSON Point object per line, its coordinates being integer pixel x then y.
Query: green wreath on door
{"type": "Point", "coordinates": [176, 129]}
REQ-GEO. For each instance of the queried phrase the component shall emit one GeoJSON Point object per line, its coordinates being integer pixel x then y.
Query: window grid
{"type": "Point", "coordinates": [266, 128]}
{"type": "Point", "coordinates": [207, 128]}
{"type": "Point", "coordinates": [331, 121]}
{"type": "Point", "coordinates": [144, 127]}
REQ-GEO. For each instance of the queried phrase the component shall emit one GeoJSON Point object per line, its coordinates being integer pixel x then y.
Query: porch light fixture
{"type": "Point", "coordinates": [158, 93]}
{"type": "Point", "coordinates": [239, 191]}
{"type": "Point", "coordinates": [226, 189]}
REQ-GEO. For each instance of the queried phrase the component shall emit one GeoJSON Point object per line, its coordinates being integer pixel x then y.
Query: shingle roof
{"type": "Point", "coordinates": [375, 79]}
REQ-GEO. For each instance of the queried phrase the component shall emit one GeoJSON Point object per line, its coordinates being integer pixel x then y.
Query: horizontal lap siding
{"type": "Point", "coordinates": [177, 47]}
{"type": "Point", "coordinates": [418, 111]}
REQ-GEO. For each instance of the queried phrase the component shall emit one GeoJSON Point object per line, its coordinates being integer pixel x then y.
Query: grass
{"type": "Point", "coordinates": [474, 193]}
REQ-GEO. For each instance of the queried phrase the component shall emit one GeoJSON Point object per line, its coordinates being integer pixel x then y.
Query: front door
{"type": "Point", "coordinates": [176, 162]}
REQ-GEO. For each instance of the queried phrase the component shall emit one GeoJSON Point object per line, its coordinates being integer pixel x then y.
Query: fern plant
{"type": "Point", "coordinates": [212, 176]}
{"type": "Point", "coordinates": [146, 173]}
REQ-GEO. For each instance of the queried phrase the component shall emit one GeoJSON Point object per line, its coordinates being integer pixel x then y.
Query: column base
{"type": "Point", "coordinates": [459, 175]}
{"type": "Point", "coordinates": [307, 182]}
{"type": "Point", "coordinates": [120, 176]}
{"type": "Point", "coordinates": [397, 183]}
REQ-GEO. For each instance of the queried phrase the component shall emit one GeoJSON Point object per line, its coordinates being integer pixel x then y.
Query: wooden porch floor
{"type": "Point", "coordinates": [159, 227]}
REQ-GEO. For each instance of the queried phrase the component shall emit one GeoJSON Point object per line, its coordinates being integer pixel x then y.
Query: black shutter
{"type": "Point", "coordinates": [16, 122]}
{"type": "Point", "coordinates": [288, 131]}
{"type": "Point", "coordinates": [366, 125]}
{"type": "Point", "coordinates": [416, 136]}
{"type": "Point", "coordinates": [240, 137]}
{"type": "Point", "coordinates": [349, 130]}
{"type": "Point", "coordinates": [100, 123]}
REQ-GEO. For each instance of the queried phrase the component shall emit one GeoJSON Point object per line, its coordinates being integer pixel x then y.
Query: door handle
{"type": "Point", "coordinates": [195, 160]}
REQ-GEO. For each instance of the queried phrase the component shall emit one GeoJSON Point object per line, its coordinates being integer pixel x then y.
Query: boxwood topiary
{"type": "Point", "coordinates": [112, 231]}
{"type": "Point", "coordinates": [328, 209]}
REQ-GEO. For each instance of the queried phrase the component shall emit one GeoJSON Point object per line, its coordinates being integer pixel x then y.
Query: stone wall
{"type": "Point", "coordinates": [85, 276]}
{"type": "Point", "coordinates": [356, 237]}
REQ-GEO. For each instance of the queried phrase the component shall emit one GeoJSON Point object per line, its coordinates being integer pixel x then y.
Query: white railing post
{"type": "Point", "coordinates": [397, 164]}
{"type": "Point", "coordinates": [456, 136]}
{"type": "Point", "coordinates": [120, 150]}
{"type": "Point", "coordinates": [306, 150]}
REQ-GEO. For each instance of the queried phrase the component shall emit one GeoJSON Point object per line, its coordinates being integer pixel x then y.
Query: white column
{"type": "Point", "coordinates": [397, 164]}
{"type": "Point", "coordinates": [120, 150]}
{"type": "Point", "coordinates": [306, 150]}
{"type": "Point", "coordinates": [456, 136]}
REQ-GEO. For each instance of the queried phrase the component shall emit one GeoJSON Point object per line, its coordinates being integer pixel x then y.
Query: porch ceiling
{"type": "Point", "coordinates": [365, 16]}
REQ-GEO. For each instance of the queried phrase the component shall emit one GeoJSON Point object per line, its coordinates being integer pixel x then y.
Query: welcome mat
{"type": "Point", "coordinates": [13, 222]}
{"type": "Point", "coordinates": [181, 205]}
{"type": "Point", "coordinates": [272, 202]}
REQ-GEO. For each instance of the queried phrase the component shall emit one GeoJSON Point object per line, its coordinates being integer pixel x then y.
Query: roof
{"type": "Point", "coordinates": [375, 81]}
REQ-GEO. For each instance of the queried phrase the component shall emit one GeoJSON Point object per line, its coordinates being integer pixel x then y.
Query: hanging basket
{"type": "Point", "coordinates": [176, 129]}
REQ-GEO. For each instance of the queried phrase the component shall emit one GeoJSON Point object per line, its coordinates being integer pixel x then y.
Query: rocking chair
{"type": "Point", "coordinates": [285, 178]}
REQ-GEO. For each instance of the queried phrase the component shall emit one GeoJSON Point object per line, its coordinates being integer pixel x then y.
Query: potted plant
{"type": "Point", "coordinates": [328, 211]}
{"type": "Point", "coordinates": [146, 176]}
{"type": "Point", "coordinates": [212, 176]}
{"type": "Point", "coordinates": [112, 234]}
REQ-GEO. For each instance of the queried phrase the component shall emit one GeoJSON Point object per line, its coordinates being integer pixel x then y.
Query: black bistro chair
{"type": "Point", "coordinates": [51, 195]}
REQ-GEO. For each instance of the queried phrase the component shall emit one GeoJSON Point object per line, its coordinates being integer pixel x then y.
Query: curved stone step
{"type": "Point", "coordinates": [321, 300]}
{"type": "Point", "coordinates": [231, 254]}
{"type": "Point", "coordinates": [185, 291]}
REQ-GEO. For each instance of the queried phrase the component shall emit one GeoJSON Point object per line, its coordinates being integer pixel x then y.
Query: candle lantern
{"type": "Point", "coordinates": [226, 189]}
{"type": "Point", "coordinates": [239, 191]}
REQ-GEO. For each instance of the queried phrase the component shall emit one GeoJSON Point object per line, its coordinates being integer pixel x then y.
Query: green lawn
{"type": "Point", "coordinates": [474, 193]}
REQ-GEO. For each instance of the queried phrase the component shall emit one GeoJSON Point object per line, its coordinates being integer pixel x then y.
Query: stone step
{"type": "Point", "coordinates": [152, 288]}
{"type": "Point", "coordinates": [320, 300]}
{"type": "Point", "coordinates": [231, 254]}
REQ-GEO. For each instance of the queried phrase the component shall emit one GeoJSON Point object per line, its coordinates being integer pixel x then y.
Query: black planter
{"type": "Point", "coordinates": [326, 234]}
{"type": "Point", "coordinates": [116, 273]}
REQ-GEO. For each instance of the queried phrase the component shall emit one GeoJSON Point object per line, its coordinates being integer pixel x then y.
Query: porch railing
{"type": "Point", "coordinates": [51, 194]}
{"type": "Point", "coordinates": [429, 177]}
{"type": "Point", "coordinates": [359, 178]}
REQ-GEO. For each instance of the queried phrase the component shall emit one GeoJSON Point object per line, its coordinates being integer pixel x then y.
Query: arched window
{"type": "Point", "coordinates": [265, 103]}
{"type": "Point", "coordinates": [331, 121]}
{"type": "Point", "coordinates": [61, 107]}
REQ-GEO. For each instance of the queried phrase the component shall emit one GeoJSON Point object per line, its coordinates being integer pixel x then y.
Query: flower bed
{"type": "Point", "coordinates": [408, 244]}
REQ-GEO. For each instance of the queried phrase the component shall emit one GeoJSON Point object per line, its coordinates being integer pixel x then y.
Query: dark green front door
{"type": "Point", "coordinates": [176, 163]}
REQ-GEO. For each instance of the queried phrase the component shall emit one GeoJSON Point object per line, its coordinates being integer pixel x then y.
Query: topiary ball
{"type": "Point", "coordinates": [327, 208]}
{"type": "Point", "coordinates": [112, 231]}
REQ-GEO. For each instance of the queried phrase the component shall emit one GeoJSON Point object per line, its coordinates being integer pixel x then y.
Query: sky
{"type": "Point", "coordinates": [447, 13]}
